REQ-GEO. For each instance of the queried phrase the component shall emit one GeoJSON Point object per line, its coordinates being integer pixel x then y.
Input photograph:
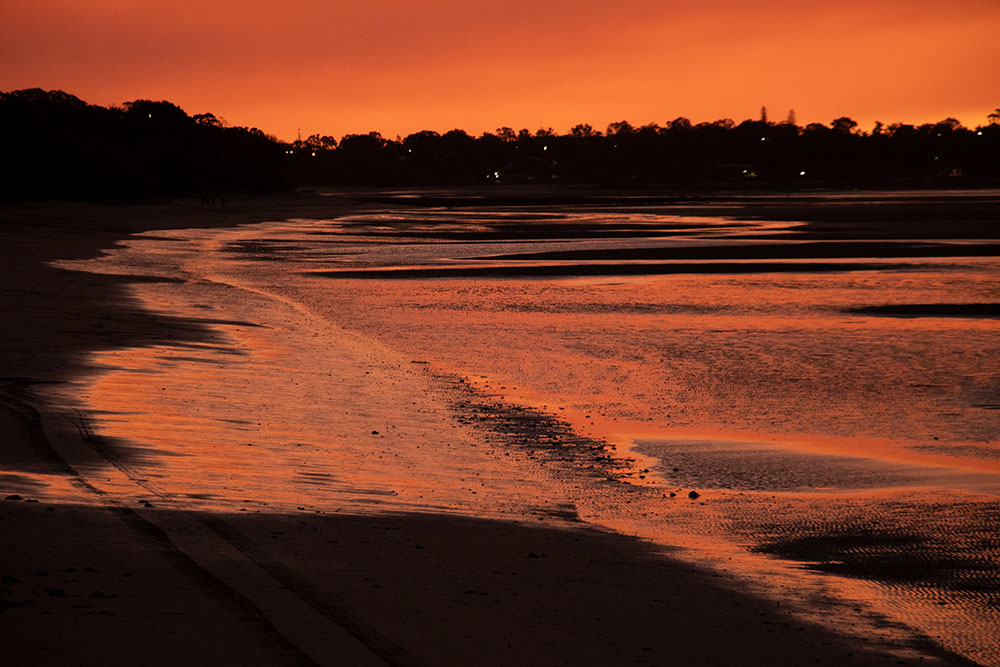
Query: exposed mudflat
{"type": "Point", "coordinates": [511, 430]}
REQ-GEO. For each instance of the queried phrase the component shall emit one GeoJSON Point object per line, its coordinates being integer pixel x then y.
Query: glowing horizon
{"type": "Point", "coordinates": [398, 68]}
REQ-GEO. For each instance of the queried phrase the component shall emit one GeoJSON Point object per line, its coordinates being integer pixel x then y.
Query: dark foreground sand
{"type": "Point", "coordinates": [89, 581]}
{"type": "Point", "coordinates": [107, 586]}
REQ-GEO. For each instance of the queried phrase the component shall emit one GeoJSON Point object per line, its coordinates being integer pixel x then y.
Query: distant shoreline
{"type": "Point", "coordinates": [65, 148]}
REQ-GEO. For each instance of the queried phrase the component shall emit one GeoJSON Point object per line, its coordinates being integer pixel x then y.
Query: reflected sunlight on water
{"type": "Point", "coordinates": [863, 448]}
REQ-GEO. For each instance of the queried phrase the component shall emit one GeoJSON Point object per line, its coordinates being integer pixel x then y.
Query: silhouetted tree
{"type": "Point", "coordinates": [143, 147]}
{"type": "Point", "coordinates": [207, 119]}
{"type": "Point", "coordinates": [621, 127]}
{"type": "Point", "coordinates": [844, 125]}
{"type": "Point", "coordinates": [681, 124]}
{"type": "Point", "coordinates": [948, 125]}
{"type": "Point", "coordinates": [56, 145]}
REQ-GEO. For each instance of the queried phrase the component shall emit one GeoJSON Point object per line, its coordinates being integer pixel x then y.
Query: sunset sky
{"type": "Point", "coordinates": [337, 67]}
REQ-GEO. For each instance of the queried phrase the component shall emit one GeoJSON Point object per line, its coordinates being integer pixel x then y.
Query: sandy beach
{"type": "Point", "coordinates": [318, 430]}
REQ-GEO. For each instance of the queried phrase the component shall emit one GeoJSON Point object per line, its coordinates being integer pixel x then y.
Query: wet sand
{"type": "Point", "coordinates": [85, 585]}
{"type": "Point", "coordinates": [328, 560]}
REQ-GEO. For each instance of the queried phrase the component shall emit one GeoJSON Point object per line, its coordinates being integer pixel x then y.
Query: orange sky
{"type": "Point", "coordinates": [335, 67]}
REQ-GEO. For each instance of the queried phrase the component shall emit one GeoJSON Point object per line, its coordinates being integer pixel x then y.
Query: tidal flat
{"type": "Point", "coordinates": [526, 426]}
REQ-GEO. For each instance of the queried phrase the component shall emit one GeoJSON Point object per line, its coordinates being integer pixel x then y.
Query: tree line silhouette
{"type": "Point", "coordinates": [57, 145]}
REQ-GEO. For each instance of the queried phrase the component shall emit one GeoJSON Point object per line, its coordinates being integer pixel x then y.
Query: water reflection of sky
{"type": "Point", "coordinates": [786, 405]}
